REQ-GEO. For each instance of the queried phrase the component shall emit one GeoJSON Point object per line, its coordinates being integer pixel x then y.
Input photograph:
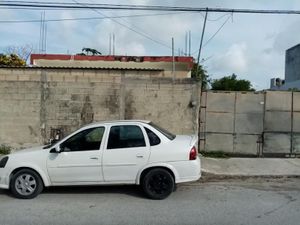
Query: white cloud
{"type": "Point", "coordinates": [287, 37]}
{"type": "Point", "coordinates": [234, 60]}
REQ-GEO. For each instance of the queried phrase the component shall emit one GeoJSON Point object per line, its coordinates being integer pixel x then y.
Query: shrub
{"type": "Point", "coordinates": [4, 149]}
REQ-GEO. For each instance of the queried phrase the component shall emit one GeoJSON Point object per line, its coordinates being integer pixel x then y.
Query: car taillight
{"type": "Point", "coordinates": [193, 153]}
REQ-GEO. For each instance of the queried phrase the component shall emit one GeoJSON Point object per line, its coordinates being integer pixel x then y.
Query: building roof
{"type": "Point", "coordinates": [112, 61]}
{"type": "Point", "coordinates": [186, 59]}
{"type": "Point", "coordinates": [294, 47]}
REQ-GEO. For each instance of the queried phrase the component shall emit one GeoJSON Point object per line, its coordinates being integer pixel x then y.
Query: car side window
{"type": "Point", "coordinates": [127, 136]}
{"type": "Point", "coordinates": [86, 140]}
{"type": "Point", "coordinates": [153, 138]}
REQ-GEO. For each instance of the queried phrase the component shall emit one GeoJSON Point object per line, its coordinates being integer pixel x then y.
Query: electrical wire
{"type": "Point", "coordinates": [129, 28]}
{"type": "Point", "coordinates": [85, 18]}
{"type": "Point", "coordinates": [46, 5]}
{"type": "Point", "coordinates": [216, 19]}
{"type": "Point", "coordinates": [220, 28]}
{"type": "Point", "coordinates": [140, 29]}
{"type": "Point", "coordinates": [213, 36]}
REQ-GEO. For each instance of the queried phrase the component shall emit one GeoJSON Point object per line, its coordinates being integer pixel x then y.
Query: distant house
{"type": "Point", "coordinates": [163, 64]}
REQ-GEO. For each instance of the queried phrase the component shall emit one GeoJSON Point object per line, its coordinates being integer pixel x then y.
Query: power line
{"type": "Point", "coordinates": [140, 29]}
{"type": "Point", "coordinates": [128, 27]}
{"type": "Point", "coordinates": [220, 28]}
{"type": "Point", "coordinates": [86, 18]}
{"type": "Point", "coordinates": [216, 19]}
{"type": "Point", "coordinates": [212, 37]}
{"type": "Point", "coordinates": [47, 5]}
{"type": "Point", "coordinates": [137, 28]}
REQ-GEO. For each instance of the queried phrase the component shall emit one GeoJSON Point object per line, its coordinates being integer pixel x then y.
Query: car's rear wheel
{"type": "Point", "coordinates": [158, 183]}
{"type": "Point", "coordinates": [26, 184]}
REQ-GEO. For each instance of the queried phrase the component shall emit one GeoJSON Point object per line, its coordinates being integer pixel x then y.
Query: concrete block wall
{"type": "Point", "coordinates": [35, 101]}
{"type": "Point", "coordinates": [265, 123]}
{"type": "Point", "coordinates": [233, 122]}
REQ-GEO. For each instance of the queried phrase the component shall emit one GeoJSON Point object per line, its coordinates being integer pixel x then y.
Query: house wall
{"type": "Point", "coordinates": [36, 102]}
{"type": "Point", "coordinates": [292, 64]}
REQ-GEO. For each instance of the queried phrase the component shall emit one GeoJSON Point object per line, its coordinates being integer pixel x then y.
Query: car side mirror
{"type": "Point", "coordinates": [57, 149]}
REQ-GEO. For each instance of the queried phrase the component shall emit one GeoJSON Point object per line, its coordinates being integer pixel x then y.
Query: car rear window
{"type": "Point", "coordinates": [168, 134]}
{"type": "Point", "coordinates": [153, 138]}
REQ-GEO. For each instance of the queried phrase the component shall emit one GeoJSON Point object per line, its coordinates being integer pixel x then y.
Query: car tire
{"type": "Point", "coordinates": [26, 184]}
{"type": "Point", "coordinates": [158, 184]}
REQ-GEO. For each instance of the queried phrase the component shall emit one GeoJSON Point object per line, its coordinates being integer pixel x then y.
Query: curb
{"type": "Point", "coordinates": [207, 176]}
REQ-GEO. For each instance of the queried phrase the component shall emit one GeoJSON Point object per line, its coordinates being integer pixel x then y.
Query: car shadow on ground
{"type": "Point", "coordinates": [131, 190]}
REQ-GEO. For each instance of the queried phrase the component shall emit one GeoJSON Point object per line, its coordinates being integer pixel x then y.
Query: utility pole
{"type": "Point", "coordinates": [201, 41]}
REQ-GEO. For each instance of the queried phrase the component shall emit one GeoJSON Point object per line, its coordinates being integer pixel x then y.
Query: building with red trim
{"type": "Point", "coordinates": [183, 65]}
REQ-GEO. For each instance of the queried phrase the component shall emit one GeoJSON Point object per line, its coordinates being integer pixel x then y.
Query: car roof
{"type": "Point", "coordinates": [114, 122]}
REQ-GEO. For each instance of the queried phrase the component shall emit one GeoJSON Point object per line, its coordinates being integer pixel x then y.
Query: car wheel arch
{"type": "Point", "coordinates": [145, 170]}
{"type": "Point", "coordinates": [43, 178]}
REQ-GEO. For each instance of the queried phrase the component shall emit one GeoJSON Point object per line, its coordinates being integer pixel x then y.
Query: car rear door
{"type": "Point", "coordinates": [127, 151]}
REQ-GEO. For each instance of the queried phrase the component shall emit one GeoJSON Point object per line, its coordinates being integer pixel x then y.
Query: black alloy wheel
{"type": "Point", "coordinates": [158, 184]}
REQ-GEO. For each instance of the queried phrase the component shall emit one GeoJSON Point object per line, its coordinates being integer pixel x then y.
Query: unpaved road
{"type": "Point", "coordinates": [229, 201]}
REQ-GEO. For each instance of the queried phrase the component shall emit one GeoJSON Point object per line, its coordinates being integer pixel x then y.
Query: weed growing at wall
{"type": "Point", "coordinates": [4, 149]}
{"type": "Point", "coordinates": [215, 154]}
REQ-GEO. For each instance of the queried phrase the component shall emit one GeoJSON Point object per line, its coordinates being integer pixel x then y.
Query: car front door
{"type": "Point", "coordinates": [80, 158]}
{"type": "Point", "coordinates": [126, 153]}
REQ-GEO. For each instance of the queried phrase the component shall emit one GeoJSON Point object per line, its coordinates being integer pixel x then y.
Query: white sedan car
{"type": "Point", "coordinates": [106, 153]}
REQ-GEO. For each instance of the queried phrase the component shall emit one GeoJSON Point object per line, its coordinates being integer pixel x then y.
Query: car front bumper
{"type": "Point", "coordinates": [4, 179]}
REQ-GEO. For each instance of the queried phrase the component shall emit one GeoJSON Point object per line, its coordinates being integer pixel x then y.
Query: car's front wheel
{"type": "Point", "coordinates": [158, 183]}
{"type": "Point", "coordinates": [26, 184]}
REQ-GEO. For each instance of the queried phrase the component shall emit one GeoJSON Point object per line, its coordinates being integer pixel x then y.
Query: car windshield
{"type": "Point", "coordinates": [168, 134]}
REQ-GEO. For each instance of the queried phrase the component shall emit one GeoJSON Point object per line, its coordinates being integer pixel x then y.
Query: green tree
{"type": "Point", "coordinates": [201, 75]}
{"type": "Point", "coordinates": [231, 83]}
{"type": "Point", "coordinates": [11, 60]}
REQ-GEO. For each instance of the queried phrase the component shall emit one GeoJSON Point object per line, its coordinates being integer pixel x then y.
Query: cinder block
{"type": "Point", "coordinates": [249, 123]}
{"type": "Point", "coordinates": [246, 144]}
{"type": "Point", "coordinates": [219, 122]}
{"type": "Point", "coordinates": [278, 121]}
{"type": "Point", "coordinates": [250, 103]}
{"type": "Point", "coordinates": [296, 121]}
{"type": "Point", "coordinates": [296, 143]}
{"type": "Point", "coordinates": [296, 101]}
{"type": "Point", "coordinates": [277, 143]}
{"type": "Point", "coordinates": [278, 101]}
{"type": "Point", "coordinates": [219, 142]}
{"type": "Point", "coordinates": [220, 102]}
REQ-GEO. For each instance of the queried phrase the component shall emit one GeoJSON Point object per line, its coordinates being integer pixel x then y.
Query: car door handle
{"type": "Point", "coordinates": [139, 156]}
{"type": "Point", "coordinates": [94, 158]}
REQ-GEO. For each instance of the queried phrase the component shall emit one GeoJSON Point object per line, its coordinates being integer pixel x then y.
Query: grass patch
{"type": "Point", "coordinates": [4, 149]}
{"type": "Point", "coordinates": [215, 154]}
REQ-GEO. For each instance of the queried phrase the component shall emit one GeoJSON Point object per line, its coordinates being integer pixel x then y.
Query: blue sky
{"type": "Point", "coordinates": [251, 46]}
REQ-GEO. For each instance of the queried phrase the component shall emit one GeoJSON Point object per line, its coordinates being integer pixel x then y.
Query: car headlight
{"type": "Point", "coordinates": [3, 161]}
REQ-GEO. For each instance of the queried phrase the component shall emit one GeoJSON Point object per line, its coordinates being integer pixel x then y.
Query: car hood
{"type": "Point", "coordinates": [28, 150]}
